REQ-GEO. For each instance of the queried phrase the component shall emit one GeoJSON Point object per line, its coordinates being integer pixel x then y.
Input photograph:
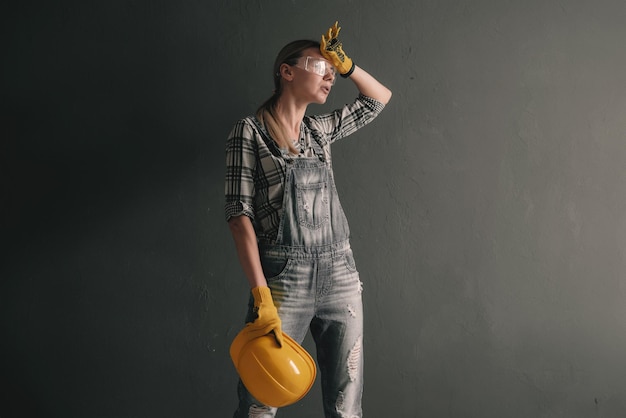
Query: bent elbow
{"type": "Point", "coordinates": [386, 97]}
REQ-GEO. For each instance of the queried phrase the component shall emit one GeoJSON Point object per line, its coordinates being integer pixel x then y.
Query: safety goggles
{"type": "Point", "coordinates": [318, 66]}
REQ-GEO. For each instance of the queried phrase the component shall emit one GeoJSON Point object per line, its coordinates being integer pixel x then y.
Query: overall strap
{"type": "Point", "coordinates": [271, 144]}
{"type": "Point", "coordinates": [321, 141]}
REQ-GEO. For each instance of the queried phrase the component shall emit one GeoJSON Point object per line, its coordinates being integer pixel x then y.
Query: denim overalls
{"type": "Point", "coordinates": [314, 282]}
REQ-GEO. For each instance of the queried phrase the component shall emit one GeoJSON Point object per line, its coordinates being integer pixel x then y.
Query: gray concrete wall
{"type": "Point", "coordinates": [487, 204]}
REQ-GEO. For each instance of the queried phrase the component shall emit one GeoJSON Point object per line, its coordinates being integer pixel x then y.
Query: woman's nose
{"type": "Point", "coordinates": [330, 75]}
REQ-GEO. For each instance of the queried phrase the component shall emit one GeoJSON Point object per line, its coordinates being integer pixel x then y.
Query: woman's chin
{"type": "Point", "coordinates": [322, 99]}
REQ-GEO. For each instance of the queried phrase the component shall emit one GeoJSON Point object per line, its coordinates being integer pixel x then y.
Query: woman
{"type": "Point", "coordinates": [290, 232]}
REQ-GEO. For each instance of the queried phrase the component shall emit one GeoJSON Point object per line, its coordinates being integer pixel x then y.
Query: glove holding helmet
{"type": "Point", "coordinates": [276, 375]}
{"type": "Point", "coordinates": [267, 319]}
{"type": "Point", "coordinates": [332, 49]}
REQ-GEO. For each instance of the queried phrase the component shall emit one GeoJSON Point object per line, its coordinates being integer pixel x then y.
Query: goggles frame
{"type": "Point", "coordinates": [319, 66]}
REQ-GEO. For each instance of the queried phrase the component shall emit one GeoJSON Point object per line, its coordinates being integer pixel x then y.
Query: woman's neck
{"type": "Point", "coordinates": [290, 115]}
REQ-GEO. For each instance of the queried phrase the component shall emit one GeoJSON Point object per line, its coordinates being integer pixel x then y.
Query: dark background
{"type": "Point", "coordinates": [486, 203]}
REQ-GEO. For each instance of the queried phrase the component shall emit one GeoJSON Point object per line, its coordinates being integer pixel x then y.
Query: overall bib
{"type": "Point", "coordinates": [314, 282]}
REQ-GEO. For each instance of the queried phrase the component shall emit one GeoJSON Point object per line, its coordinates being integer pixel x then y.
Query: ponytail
{"type": "Point", "coordinates": [266, 114]}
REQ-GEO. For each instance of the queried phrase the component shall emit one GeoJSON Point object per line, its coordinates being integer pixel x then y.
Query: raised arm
{"type": "Point", "coordinates": [332, 49]}
{"type": "Point", "coordinates": [369, 86]}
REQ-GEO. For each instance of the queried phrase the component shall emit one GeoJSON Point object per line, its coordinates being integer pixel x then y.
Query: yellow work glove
{"type": "Point", "coordinates": [267, 319]}
{"type": "Point", "coordinates": [332, 50]}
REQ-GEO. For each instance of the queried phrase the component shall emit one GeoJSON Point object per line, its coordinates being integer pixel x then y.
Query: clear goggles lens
{"type": "Point", "coordinates": [320, 67]}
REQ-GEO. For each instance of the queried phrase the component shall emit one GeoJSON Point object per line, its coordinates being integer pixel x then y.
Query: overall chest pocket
{"type": "Point", "coordinates": [313, 204]}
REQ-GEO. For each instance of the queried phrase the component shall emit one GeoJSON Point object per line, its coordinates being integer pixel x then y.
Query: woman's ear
{"type": "Point", "coordinates": [286, 72]}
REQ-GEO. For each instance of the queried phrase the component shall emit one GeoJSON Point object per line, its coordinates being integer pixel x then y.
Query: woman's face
{"type": "Point", "coordinates": [313, 77]}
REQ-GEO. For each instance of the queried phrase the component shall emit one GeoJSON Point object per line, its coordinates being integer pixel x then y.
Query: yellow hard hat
{"type": "Point", "coordinates": [276, 376]}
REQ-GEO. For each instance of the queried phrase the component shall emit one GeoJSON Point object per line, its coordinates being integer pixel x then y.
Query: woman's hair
{"type": "Point", "coordinates": [266, 113]}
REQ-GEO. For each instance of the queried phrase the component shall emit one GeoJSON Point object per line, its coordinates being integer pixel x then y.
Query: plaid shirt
{"type": "Point", "coordinates": [255, 176]}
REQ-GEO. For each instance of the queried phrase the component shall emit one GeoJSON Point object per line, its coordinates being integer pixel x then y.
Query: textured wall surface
{"type": "Point", "coordinates": [487, 204]}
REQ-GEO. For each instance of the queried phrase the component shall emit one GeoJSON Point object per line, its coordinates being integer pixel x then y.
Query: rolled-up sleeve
{"type": "Point", "coordinates": [241, 156]}
{"type": "Point", "coordinates": [350, 118]}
